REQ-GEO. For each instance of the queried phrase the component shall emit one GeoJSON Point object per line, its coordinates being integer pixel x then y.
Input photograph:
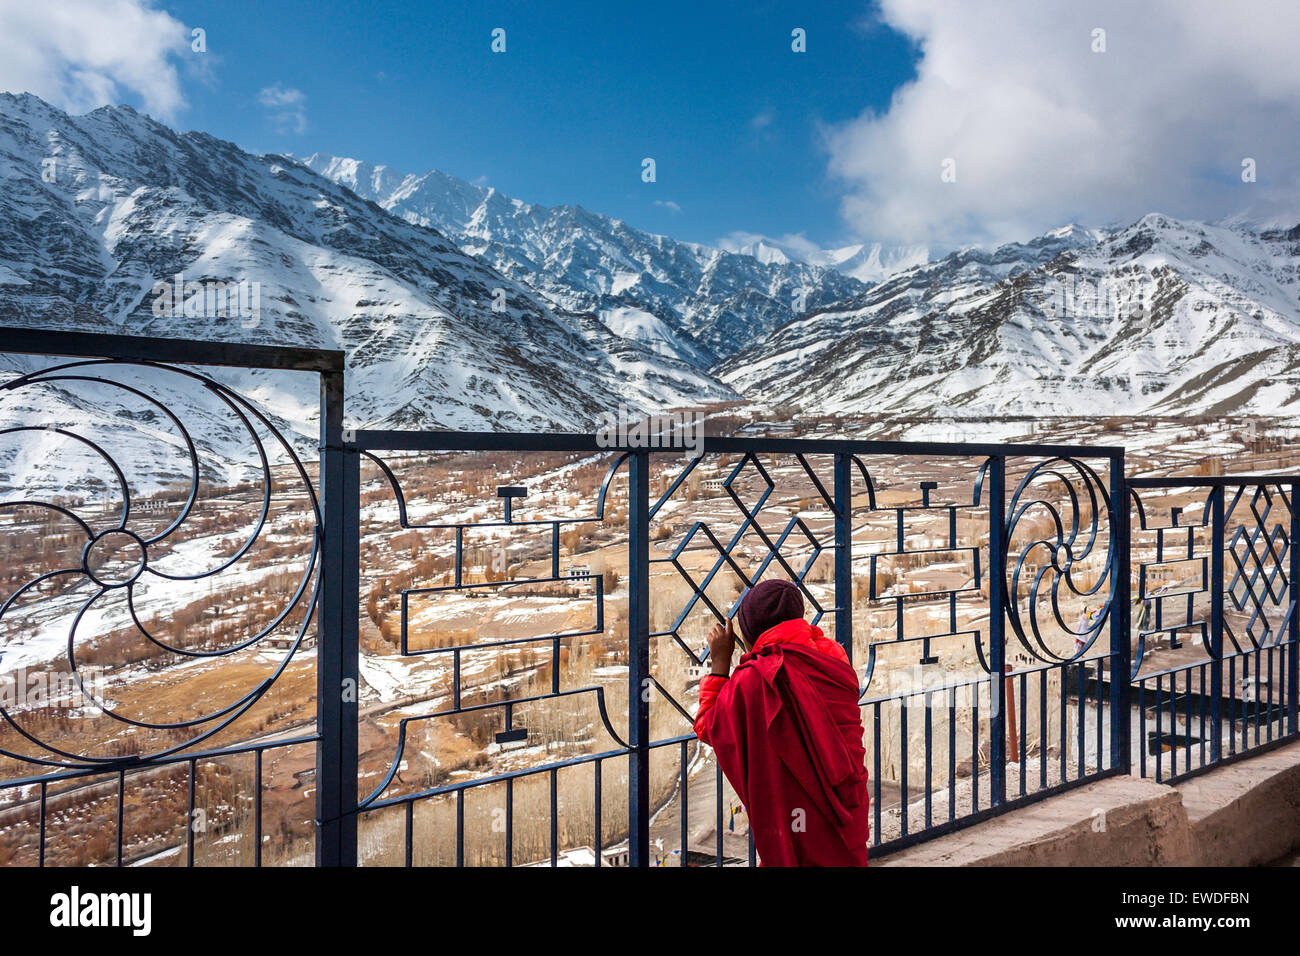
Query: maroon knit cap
{"type": "Point", "coordinates": [768, 604]}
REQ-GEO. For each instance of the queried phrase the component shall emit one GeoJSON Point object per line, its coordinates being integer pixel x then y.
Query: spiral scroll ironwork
{"type": "Point", "coordinates": [125, 555]}
{"type": "Point", "coordinates": [1073, 534]}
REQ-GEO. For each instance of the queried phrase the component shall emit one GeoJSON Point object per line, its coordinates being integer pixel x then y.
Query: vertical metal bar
{"type": "Point", "coordinates": [1268, 705]}
{"type": "Point", "coordinates": [1024, 736]}
{"type": "Point", "coordinates": [455, 679]}
{"type": "Point", "coordinates": [1201, 725]}
{"type": "Point", "coordinates": [975, 749]}
{"type": "Point", "coordinates": [997, 631]}
{"type": "Point", "coordinates": [1160, 737]}
{"type": "Point", "coordinates": [1258, 692]}
{"type": "Point", "coordinates": [1232, 703]}
{"type": "Point", "coordinates": [44, 801]}
{"type": "Point", "coordinates": [952, 754]}
{"type": "Point", "coordinates": [1216, 623]}
{"type": "Point", "coordinates": [460, 825]}
{"type": "Point", "coordinates": [1101, 714]}
{"type": "Point", "coordinates": [1119, 666]}
{"type": "Point", "coordinates": [1064, 671]}
{"type": "Point", "coordinates": [929, 762]}
{"type": "Point", "coordinates": [555, 817]}
{"type": "Point", "coordinates": [599, 826]}
{"type": "Point", "coordinates": [1082, 721]}
{"type": "Point", "coordinates": [875, 766]}
{"type": "Point", "coordinates": [1245, 718]}
{"type": "Point", "coordinates": [257, 807]}
{"type": "Point", "coordinates": [844, 554]}
{"type": "Point", "coordinates": [460, 557]}
{"type": "Point", "coordinates": [1142, 728]}
{"type": "Point", "coordinates": [555, 547]}
{"type": "Point", "coordinates": [1173, 724]}
{"type": "Point", "coordinates": [510, 821]}
{"type": "Point", "coordinates": [1042, 729]}
{"type": "Point", "coordinates": [638, 636]}
{"type": "Point", "coordinates": [337, 674]}
{"type": "Point", "coordinates": [686, 802]}
{"type": "Point", "coordinates": [1293, 588]}
{"type": "Point", "coordinates": [189, 817]}
{"type": "Point", "coordinates": [902, 762]}
{"type": "Point", "coordinates": [121, 814]}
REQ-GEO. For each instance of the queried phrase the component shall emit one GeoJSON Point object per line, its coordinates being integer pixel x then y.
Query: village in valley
{"type": "Point", "coordinates": [494, 640]}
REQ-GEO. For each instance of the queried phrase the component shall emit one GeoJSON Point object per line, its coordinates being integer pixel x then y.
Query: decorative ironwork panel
{"type": "Point", "coordinates": [493, 658]}
{"type": "Point", "coordinates": [472, 648]}
{"type": "Point", "coordinates": [163, 543]}
{"type": "Point", "coordinates": [1215, 635]}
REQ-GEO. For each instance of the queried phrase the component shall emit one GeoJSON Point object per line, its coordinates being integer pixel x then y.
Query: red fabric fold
{"type": "Point", "coordinates": [787, 731]}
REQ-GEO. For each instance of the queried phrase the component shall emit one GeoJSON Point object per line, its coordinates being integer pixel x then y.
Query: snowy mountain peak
{"type": "Point", "coordinates": [866, 262]}
{"type": "Point", "coordinates": [1161, 317]}
{"type": "Point", "coordinates": [462, 307]}
{"type": "Point", "coordinates": [710, 301]}
{"type": "Point", "coordinates": [99, 209]}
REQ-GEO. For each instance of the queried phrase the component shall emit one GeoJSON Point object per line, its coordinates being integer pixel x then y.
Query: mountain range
{"type": "Point", "coordinates": [462, 308]}
{"type": "Point", "coordinates": [1161, 317]}
{"type": "Point", "coordinates": [683, 299]}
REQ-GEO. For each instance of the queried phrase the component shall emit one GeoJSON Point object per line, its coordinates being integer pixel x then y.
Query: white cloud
{"type": "Point", "coordinates": [1043, 130]}
{"type": "Point", "coordinates": [81, 54]}
{"type": "Point", "coordinates": [287, 108]}
{"type": "Point", "coordinates": [668, 204]}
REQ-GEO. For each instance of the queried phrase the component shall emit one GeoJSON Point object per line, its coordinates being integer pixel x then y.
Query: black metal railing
{"type": "Point", "coordinates": [104, 759]}
{"type": "Point", "coordinates": [491, 643]}
{"type": "Point", "coordinates": [807, 510]}
{"type": "Point", "coordinates": [1216, 663]}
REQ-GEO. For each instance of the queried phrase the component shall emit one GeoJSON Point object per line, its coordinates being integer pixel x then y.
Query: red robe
{"type": "Point", "coordinates": [787, 732]}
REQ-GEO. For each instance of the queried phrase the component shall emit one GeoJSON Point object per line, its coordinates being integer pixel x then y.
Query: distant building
{"type": "Point", "coordinates": [282, 642]}
{"type": "Point", "coordinates": [585, 856]}
{"type": "Point", "coordinates": [768, 428]}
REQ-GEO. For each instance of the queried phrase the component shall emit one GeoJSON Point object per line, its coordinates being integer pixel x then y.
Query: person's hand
{"type": "Point", "coordinates": [722, 641]}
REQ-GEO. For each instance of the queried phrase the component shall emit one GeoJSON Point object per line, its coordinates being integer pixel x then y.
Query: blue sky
{"type": "Point", "coordinates": [906, 121]}
{"type": "Point", "coordinates": [733, 117]}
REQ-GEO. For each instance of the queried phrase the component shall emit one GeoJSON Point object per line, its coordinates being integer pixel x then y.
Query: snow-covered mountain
{"type": "Point", "coordinates": [709, 303]}
{"type": "Point", "coordinates": [97, 209]}
{"type": "Point", "coordinates": [461, 308]}
{"type": "Point", "coordinates": [867, 262]}
{"type": "Point", "coordinates": [1161, 317]}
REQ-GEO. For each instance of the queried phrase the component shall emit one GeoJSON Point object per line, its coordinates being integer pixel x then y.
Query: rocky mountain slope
{"type": "Point", "coordinates": [1161, 317]}
{"type": "Point", "coordinates": [98, 209]}
{"type": "Point", "coordinates": [461, 308]}
{"type": "Point", "coordinates": [693, 302]}
{"type": "Point", "coordinates": [868, 262]}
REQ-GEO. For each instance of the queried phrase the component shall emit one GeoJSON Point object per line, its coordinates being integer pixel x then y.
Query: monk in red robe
{"type": "Point", "coordinates": [787, 732]}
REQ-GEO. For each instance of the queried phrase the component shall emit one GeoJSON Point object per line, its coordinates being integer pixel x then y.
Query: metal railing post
{"type": "Point", "coordinates": [844, 554]}
{"type": "Point", "coordinates": [1121, 716]}
{"type": "Point", "coordinates": [1293, 582]}
{"type": "Point", "coordinates": [997, 629]}
{"type": "Point", "coordinates": [337, 674]}
{"type": "Point", "coordinates": [1216, 622]}
{"type": "Point", "coordinates": [638, 638]}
